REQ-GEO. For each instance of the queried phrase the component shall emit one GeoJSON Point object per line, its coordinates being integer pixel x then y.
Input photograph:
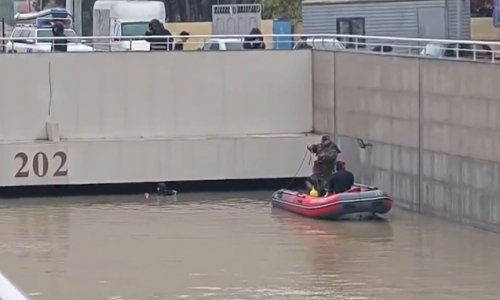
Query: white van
{"type": "Point", "coordinates": [222, 44]}
{"type": "Point", "coordinates": [319, 43]}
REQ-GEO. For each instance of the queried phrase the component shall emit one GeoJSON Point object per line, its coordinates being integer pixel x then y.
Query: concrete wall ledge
{"type": "Point", "coordinates": [180, 138]}
{"type": "Point", "coordinates": [153, 160]}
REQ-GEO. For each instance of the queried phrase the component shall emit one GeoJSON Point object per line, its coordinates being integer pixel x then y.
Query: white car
{"type": "Point", "coordinates": [318, 43]}
{"type": "Point", "coordinates": [457, 50]}
{"type": "Point", "coordinates": [223, 44]}
{"type": "Point", "coordinates": [32, 39]}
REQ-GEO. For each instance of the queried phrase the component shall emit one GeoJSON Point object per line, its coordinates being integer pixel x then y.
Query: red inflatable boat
{"type": "Point", "coordinates": [358, 200]}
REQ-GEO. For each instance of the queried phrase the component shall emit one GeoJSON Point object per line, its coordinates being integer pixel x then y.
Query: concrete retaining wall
{"type": "Point", "coordinates": [132, 95]}
{"type": "Point", "coordinates": [136, 117]}
{"type": "Point", "coordinates": [152, 160]}
{"type": "Point", "coordinates": [433, 127]}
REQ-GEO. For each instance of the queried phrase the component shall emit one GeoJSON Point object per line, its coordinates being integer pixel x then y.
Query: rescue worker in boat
{"type": "Point", "coordinates": [342, 180]}
{"type": "Point", "coordinates": [326, 152]}
{"type": "Point", "coordinates": [155, 27]}
{"type": "Point", "coordinates": [59, 45]}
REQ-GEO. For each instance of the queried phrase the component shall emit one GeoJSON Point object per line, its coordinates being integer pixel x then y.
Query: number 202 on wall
{"type": "Point", "coordinates": [40, 164]}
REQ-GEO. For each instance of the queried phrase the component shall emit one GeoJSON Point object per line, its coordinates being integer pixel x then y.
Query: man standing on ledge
{"type": "Point", "coordinates": [324, 165]}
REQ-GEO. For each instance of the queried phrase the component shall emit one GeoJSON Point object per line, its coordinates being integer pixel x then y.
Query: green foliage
{"type": "Point", "coordinates": [282, 9]}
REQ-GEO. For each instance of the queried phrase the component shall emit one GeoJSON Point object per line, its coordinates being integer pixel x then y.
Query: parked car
{"type": "Point", "coordinates": [223, 44]}
{"type": "Point", "coordinates": [34, 39]}
{"type": "Point", "coordinates": [319, 43]}
{"type": "Point", "coordinates": [457, 50]}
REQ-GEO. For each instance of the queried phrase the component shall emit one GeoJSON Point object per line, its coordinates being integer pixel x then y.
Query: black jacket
{"type": "Point", "coordinates": [158, 43]}
{"type": "Point", "coordinates": [254, 42]}
{"type": "Point", "coordinates": [179, 46]}
{"type": "Point", "coordinates": [59, 45]}
{"type": "Point", "coordinates": [340, 182]}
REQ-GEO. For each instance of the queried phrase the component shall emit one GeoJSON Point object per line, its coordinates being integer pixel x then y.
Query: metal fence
{"type": "Point", "coordinates": [430, 48]}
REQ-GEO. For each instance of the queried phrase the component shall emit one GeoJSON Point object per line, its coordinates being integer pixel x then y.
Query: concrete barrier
{"type": "Point", "coordinates": [433, 126]}
{"type": "Point", "coordinates": [136, 117]}
{"type": "Point", "coordinates": [25, 95]}
{"type": "Point", "coordinates": [152, 160]}
{"type": "Point", "coordinates": [134, 95]}
{"type": "Point", "coordinates": [183, 94]}
{"type": "Point", "coordinates": [461, 138]}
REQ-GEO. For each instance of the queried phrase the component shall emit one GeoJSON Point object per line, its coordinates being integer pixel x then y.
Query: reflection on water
{"type": "Point", "coordinates": [235, 246]}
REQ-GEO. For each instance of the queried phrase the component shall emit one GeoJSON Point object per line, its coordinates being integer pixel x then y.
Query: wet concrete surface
{"type": "Point", "coordinates": [235, 246]}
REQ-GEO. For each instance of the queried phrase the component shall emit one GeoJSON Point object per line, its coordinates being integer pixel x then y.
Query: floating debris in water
{"type": "Point", "coordinates": [210, 288]}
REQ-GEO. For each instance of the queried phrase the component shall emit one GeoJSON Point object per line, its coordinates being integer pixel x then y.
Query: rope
{"type": "Point", "coordinates": [298, 170]}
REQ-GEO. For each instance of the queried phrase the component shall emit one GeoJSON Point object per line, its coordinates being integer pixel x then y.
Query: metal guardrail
{"type": "Point", "coordinates": [434, 48]}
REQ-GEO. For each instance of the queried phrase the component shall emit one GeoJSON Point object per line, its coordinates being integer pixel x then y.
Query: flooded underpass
{"type": "Point", "coordinates": [235, 246]}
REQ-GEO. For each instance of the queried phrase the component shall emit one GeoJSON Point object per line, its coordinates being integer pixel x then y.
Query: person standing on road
{"type": "Point", "coordinates": [59, 45]}
{"type": "Point", "coordinates": [166, 42]}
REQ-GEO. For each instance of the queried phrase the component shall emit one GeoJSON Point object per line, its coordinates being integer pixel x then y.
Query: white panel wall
{"type": "Point", "coordinates": [24, 96]}
{"type": "Point", "coordinates": [116, 95]}
{"type": "Point", "coordinates": [93, 161]}
{"type": "Point", "coordinates": [135, 117]}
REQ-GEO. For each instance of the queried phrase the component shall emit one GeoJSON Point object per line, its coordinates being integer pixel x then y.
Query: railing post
{"type": "Point", "coordinates": [3, 36]}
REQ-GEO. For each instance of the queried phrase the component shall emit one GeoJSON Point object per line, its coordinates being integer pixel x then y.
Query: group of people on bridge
{"type": "Point", "coordinates": [330, 175]}
{"type": "Point", "coordinates": [165, 42]}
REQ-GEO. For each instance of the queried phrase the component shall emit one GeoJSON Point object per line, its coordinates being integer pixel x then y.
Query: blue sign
{"type": "Point", "coordinates": [283, 27]}
{"type": "Point", "coordinates": [496, 13]}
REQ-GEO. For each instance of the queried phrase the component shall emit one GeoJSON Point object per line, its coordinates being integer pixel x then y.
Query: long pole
{"type": "Point", "coordinates": [77, 16]}
{"type": "Point", "coordinates": [459, 19]}
{"type": "Point", "coordinates": [3, 35]}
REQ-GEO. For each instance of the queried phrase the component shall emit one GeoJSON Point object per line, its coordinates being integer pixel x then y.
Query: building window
{"type": "Point", "coordinates": [352, 26]}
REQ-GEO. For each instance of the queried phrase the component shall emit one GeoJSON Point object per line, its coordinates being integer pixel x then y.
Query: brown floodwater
{"type": "Point", "coordinates": [235, 246]}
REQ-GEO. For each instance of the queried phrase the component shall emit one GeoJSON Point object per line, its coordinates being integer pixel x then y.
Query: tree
{"type": "Point", "coordinates": [282, 9]}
